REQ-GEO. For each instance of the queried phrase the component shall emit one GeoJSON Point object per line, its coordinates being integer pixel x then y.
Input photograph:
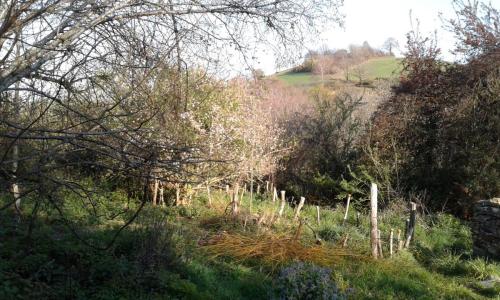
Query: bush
{"type": "Point", "coordinates": [440, 127]}
{"type": "Point", "coordinates": [307, 281]}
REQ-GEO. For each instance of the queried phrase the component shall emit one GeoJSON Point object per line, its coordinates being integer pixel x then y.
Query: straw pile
{"type": "Point", "coordinates": [272, 249]}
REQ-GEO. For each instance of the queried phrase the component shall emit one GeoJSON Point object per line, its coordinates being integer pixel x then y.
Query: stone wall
{"type": "Point", "coordinates": [486, 228]}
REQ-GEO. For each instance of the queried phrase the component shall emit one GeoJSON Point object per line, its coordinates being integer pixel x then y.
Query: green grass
{"type": "Point", "coordinates": [158, 257]}
{"type": "Point", "coordinates": [375, 68]}
{"type": "Point", "coordinates": [384, 67]}
{"type": "Point", "coordinates": [298, 79]}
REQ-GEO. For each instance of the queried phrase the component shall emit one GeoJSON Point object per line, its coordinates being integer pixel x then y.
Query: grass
{"type": "Point", "coordinates": [298, 79]}
{"type": "Point", "coordinates": [199, 252]}
{"type": "Point", "coordinates": [383, 67]}
{"type": "Point", "coordinates": [375, 68]}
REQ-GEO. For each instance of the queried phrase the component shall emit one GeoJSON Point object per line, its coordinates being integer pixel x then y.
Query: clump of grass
{"type": "Point", "coordinates": [273, 250]}
{"type": "Point", "coordinates": [482, 269]}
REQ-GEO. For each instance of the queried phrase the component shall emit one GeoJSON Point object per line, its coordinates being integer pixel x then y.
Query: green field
{"type": "Point", "coordinates": [383, 67]}
{"type": "Point", "coordinates": [297, 79]}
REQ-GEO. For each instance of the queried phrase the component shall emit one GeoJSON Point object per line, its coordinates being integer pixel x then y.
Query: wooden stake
{"type": "Point", "coordinates": [275, 194]}
{"type": "Point", "coordinates": [299, 229]}
{"type": "Point", "coordinates": [299, 207]}
{"type": "Point", "coordinates": [317, 215]}
{"type": "Point", "coordinates": [251, 192]}
{"type": "Point", "coordinates": [209, 196]}
{"type": "Point", "coordinates": [162, 199]}
{"type": "Point", "coordinates": [241, 196]}
{"type": "Point", "coordinates": [373, 220]}
{"type": "Point", "coordinates": [400, 242]}
{"type": "Point", "coordinates": [411, 225]}
{"type": "Point", "coordinates": [407, 229]}
{"type": "Point", "coordinates": [177, 195]}
{"type": "Point", "coordinates": [347, 208]}
{"type": "Point", "coordinates": [379, 244]}
{"type": "Point", "coordinates": [267, 187]}
{"type": "Point", "coordinates": [155, 191]}
{"type": "Point", "coordinates": [235, 199]}
{"type": "Point", "coordinates": [391, 237]}
{"type": "Point", "coordinates": [283, 203]}
{"type": "Point", "coordinates": [344, 242]}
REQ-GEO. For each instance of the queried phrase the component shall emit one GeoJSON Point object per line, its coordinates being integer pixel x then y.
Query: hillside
{"type": "Point", "coordinates": [380, 67]}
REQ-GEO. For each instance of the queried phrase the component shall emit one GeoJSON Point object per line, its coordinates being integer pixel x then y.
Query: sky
{"type": "Point", "coordinates": [376, 20]}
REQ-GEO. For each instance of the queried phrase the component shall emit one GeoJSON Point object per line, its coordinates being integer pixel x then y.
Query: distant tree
{"type": "Point", "coordinates": [390, 44]}
{"type": "Point", "coordinates": [258, 74]}
{"type": "Point", "coordinates": [361, 73]}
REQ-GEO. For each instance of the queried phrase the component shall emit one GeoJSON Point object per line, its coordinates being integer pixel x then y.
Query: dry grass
{"type": "Point", "coordinates": [273, 250]}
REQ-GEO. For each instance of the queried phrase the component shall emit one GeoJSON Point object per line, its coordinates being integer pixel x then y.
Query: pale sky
{"type": "Point", "coordinates": [376, 20]}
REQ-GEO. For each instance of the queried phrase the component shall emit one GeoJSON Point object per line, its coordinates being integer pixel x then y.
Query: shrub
{"type": "Point", "coordinates": [307, 281]}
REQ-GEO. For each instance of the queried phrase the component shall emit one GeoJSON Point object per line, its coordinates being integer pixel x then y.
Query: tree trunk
{"type": "Point", "coordinates": [16, 193]}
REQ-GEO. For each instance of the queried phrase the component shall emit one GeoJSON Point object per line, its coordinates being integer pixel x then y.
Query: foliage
{"type": "Point", "coordinates": [307, 281]}
{"type": "Point", "coordinates": [438, 133]}
{"type": "Point", "coordinates": [323, 144]}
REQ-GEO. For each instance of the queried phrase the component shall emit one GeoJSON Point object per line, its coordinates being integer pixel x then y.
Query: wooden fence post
{"type": "Point", "coordinates": [275, 195]}
{"type": "Point", "coordinates": [155, 191]}
{"type": "Point", "coordinates": [344, 242]}
{"type": "Point", "coordinates": [235, 199]}
{"type": "Point", "coordinates": [162, 198]}
{"type": "Point", "coordinates": [346, 209]}
{"type": "Point", "coordinates": [379, 244]}
{"type": "Point", "coordinates": [391, 238]}
{"type": "Point", "coordinates": [177, 195]}
{"type": "Point", "coordinates": [373, 220]}
{"type": "Point", "coordinates": [299, 207]}
{"type": "Point", "coordinates": [251, 193]}
{"type": "Point", "coordinates": [243, 190]}
{"type": "Point", "coordinates": [411, 224]}
{"type": "Point", "coordinates": [400, 242]}
{"type": "Point", "coordinates": [407, 229]}
{"type": "Point", "coordinates": [317, 215]}
{"type": "Point", "coordinates": [283, 203]}
{"type": "Point", "coordinates": [209, 196]}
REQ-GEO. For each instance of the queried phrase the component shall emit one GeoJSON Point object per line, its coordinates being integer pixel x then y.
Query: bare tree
{"type": "Point", "coordinates": [390, 44]}
{"type": "Point", "coordinates": [83, 72]}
